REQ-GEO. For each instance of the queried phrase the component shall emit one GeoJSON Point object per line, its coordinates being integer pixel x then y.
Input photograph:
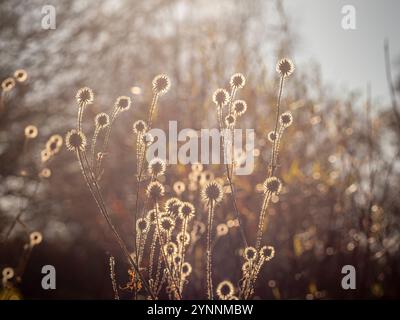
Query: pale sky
{"type": "Point", "coordinates": [348, 58]}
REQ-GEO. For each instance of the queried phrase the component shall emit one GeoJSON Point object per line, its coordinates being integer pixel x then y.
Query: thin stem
{"type": "Point", "coordinates": [209, 253]}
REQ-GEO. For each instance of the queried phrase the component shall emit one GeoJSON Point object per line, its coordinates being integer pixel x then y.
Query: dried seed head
{"type": "Point", "coordinates": [267, 253]}
{"type": "Point", "coordinates": [225, 289]}
{"type": "Point", "coordinates": [8, 273]}
{"type": "Point", "coordinates": [20, 75]}
{"type": "Point", "coordinates": [139, 127]}
{"type": "Point", "coordinates": [167, 224]}
{"type": "Point", "coordinates": [31, 132]}
{"type": "Point", "coordinates": [183, 238]}
{"type": "Point", "coordinates": [285, 67]}
{"type": "Point", "coordinates": [75, 140]}
{"type": "Point", "coordinates": [161, 84]}
{"type": "Point", "coordinates": [170, 249]}
{"type": "Point", "coordinates": [142, 225]}
{"type": "Point", "coordinates": [84, 96]}
{"type": "Point", "coordinates": [212, 192]}
{"type": "Point", "coordinates": [272, 185]}
{"type": "Point", "coordinates": [35, 238]}
{"type": "Point", "coordinates": [155, 190]}
{"type": "Point", "coordinates": [272, 136]}
{"type": "Point", "coordinates": [221, 97]}
{"type": "Point", "coordinates": [186, 269]}
{"type": "Point", "coordinates": [54, 144]}
{"type": "Point", "coordinates": [8, 84]}
{"type": "Point", "coordinates": [222, 229]}
{"type": "Point", "coordinates": [45, 155]}
{"type": "Point", "coordinates": [238, 81]}
{"type": "Point", "coordinates": [179, 187]}
{"type": "Point", "coordinates": [156, 167]}
{"type": "Point", "coordinates": [239, 107]}
{"type": "Point", "coordinates": [172, 206]}
{"type": "Point", "coordinates": [286, 119]}
{"type": "Point", "coordinates": [230, 120]}
{"type": "Point", "coordinates": [102, 120]}
{"type": "Point", "coordinates": [250, 253]}
{"type": "Point", "coordinates": [122, 103]}
{"type": "Point", "coordinates": [151, 216]}
{"type": "Point", "coordinates": [186, 211]}
{"type": "Point", "coordinates": [45, 173]}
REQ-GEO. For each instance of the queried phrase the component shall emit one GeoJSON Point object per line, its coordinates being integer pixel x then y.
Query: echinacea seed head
{"type": "Point", "coordinates": [156, 167]}
{"type": "Point", "coordinates": [186, 269]}
{"type": "Point", "coordinates": [286, 119]}
{"type": "Point", "coordinates": [285, 67]}
{"type": "Point", "coordinates": [142, 225]}
{"type": "Point", "coordinates": [84, 96]}
{"type": "Point", "coordinates": [230, 120]}
{"type": "Point", "coordinates": [8, 84]}
{"type": "Point", "coordinates": [225, 289]}
{"type": "Point", "coordinates": [239, 107]}
{"type": "Point", "coordinates": [267, 253]}
{"type": "Point", "coordinates": [212, 192]}
{"type": "Point", "coordinates": [172, 207]}
{"type": "Point", "coordinates": [250, 253]}
{"type": "Point", "coordinates": [167, 224]}
{"type": "Point", "coordinates": [155, 190]}
{"type": "Point", "coordinates": [139, 127]}
{"type": "Point", "coordinates": [75, 140]}
{"type": "Point", "coordinates": [186, 211]}
{"type": "Point", "coordinates": [179, 187]}
{"type": "Point", "coordinates": [161, 84]}
{"type": "Point", "coordinates": [122, 103]}
{"type": "Point", "coordinates": [35, 238]}
{"type": "Point", "coordinates": [102, 120]}
{"type": "Point", "coordinates": [238, 81]}
{"type": "Point", "coordinates": [147, 139]}
{"type": "Point", "coordinates": [183, 238]}
{"type": "Point", "coordinates": [170, 249]}
{"type": "Point", "coordinates": [222, 229]}
{"type": "Point", "coordinates": [272, 185]}
{"type": "Point", "coordinates": [31, 132]}
{"type": "Point", "coordinates": [221, 97]}
{"type": "Point", "coordinates": [272, 136]}
{"type": "Point", "coordinates": [20, 75]}
{"type": "Point", "coordinates": [151, 216]}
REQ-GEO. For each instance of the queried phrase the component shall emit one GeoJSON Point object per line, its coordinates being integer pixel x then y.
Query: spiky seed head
{"type": "Point", "coordinates": [285, 67]}
{"type": "Point", "coordinates": [172, 206]}
{"type": "Point", "coordinates": [142, 225]}
{"type": "Point", "coordinates": [230, 120]}
{"type": "Point", "coordinates": [179, 187]}
{"type": "Point", "coordinates": [35, 238]}
{"type": "Point", "coordinates": [250, 253]}
{"type": "Point", "coordinates": [222, 229]}
{"type": "Point", "coordinates": [170, 249]}
{"type": "Point", "coordinates": [20, 75]}
{"type": "Point", "coordinates": [8, 84]}
{"type": "Point", "coordinates": [57, 139]}
{"type": "Point", "coordinates": [122, 103]}
{"type": "Point", "coordinates": [286, 119]}
{"type": "Point", "coordinates": [272, 185]}
{"type": "Point", "coordinates": [183, 238]}
{"type": "Point", "coordinates": [238, 81]}
{"type": "Point", "coordinates": [8, 273]}
{"type": "Point", "coordinates": [239, 107]}
{"type": "Point", "coordinates": [102, 120]}
{"type": "Point", "coordinates": [31, 132]}
{"type": "Point", "coordinates": [186, 269]}
{"type": "Point", "coordinates": [139, 127]}
{"type": "Point", "coordinates": [267, 253]}
{"type": "Point", "coordinates": [212, 192]}
{"type": "Point", "coordinates": [167, 224]}
{"type": "Point", "coordinates": [186, 211]}
{"type": "Point", "coordinates": [272, 136]}
{"type": "Point", "coordinates": [151, 216]}
{"type": "Point", "coordinates": [155, 190]}
{"type": "Point", "coordinates": [221, 97]}
{"type": "Point", "coordinates": [161, 84]}
{"type": "Point", "coordinates": [225, 289]}
{"type": "Point", "coordinates": [177, 260]}
{"type": "Point", "coordinates": [75, 140]}
{"type": "Point", "coordinates": [156, 167]}
{"type": "Point", "coordinates": [84, 96]}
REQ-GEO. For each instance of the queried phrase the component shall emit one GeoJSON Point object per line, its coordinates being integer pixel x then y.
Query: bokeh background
{"type": "Point", "coordinates": [339, 161]}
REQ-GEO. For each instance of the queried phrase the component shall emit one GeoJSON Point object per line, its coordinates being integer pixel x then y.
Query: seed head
{"type": "Point", "coordinates": [31, 132]}
{"type": "Point", "coordinates": [8, 84]}
{"type": "Point", "coordinates": [161, 84]}
{"type": "Point", "coordinates": [225, 289]}
{"type": "Point", "coordinates": [272, 185]}
{"type": "Point", "coordinates": [20, 75]}
{"type": "Point", "coordinates": [75, 140]}
{"type": "Point", "coordinates": [239, 107]}
{"type": "Point", "coordinates": [156, 167]}
{"type": "Point", "coordinates": [122, 103]}
{"type": "Point", "coordinates": [155, 190]}
{"type": "Point", "coordinates": [250, 253]}
{"type": "Point", "coordinates": [186, 211]}
{"type": "Point", "coordinates": [285, 67]}
{"type": "Point", "coordinates": [84, 96]}
{"type": "Point", "coordinates": [230, 120]}
{"type": "Point", "coordinates": [286, 119]}
{"type": "Point", "coordinates": [272, 136]}
{"type": "Point", "coordinates": [142, 225]}
{"type": "Point", "coordinates": [172, 207]}
{"type": "Point", "coordinates": [170, 249]}
{"type": "Point", "coordinates": [35, 238]}
{"type": "Point", "coordinates": [102, 120]}
{"type": "Point", "coordinates": [212, 192]}
{"type": "Point", "coordinates": [221, 97]}
{"type": "Point", "coordinates": [267, 253]}
{"type": "Point", "coordinates": [139, 127]}
{"type": "Point", "coordinates": [238, 81]}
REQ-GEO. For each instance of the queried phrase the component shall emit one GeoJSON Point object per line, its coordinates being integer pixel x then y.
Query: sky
{"type": "Point", "coordinates": [349, 59]}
